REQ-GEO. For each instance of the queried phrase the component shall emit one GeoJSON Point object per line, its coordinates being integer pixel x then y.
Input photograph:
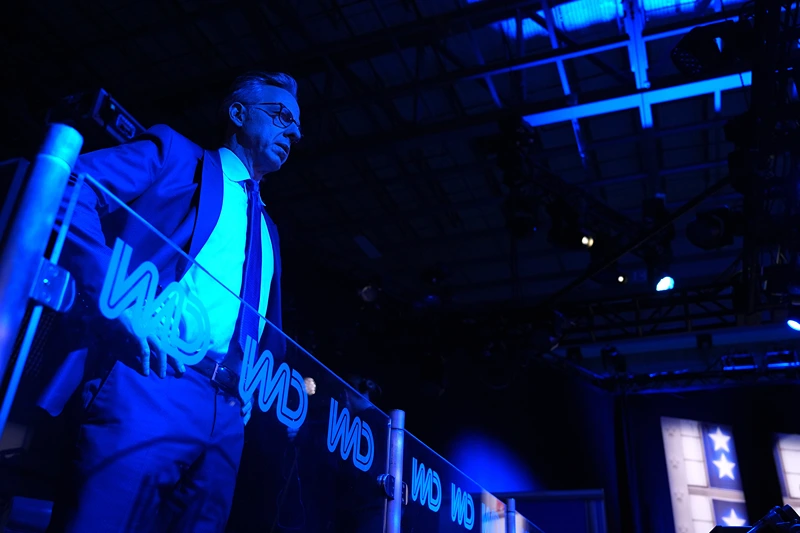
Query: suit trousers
{"type": "Point", "coordinates": [151, 454]}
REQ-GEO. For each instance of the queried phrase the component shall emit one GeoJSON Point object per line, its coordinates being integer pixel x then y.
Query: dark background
{"type": "Point", "coordinates": [403, 110]}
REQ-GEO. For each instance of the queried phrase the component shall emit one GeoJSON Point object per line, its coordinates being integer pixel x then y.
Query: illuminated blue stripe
{"type": "Point", "coordinates": [642, 100]}
{"type": "Point", "coordinates": [582, 14]}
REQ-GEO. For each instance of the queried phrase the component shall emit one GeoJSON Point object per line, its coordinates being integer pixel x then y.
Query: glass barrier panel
{"type": "Point", "coordinates": [523, 525]}
{"type": "Point", "coordinates": [441, 498]}
{"type": "Point", "coordinates": [313, 447]}
{"type": "Point", "coordinates": [582, 511]}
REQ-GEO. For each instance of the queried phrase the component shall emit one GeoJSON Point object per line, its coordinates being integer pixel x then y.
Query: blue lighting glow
{"type": "Point", "coordinates": [567, 17]}
{"type": "Point", "coordinates": [491, 464]}
{"type": "Point", "coordinates": [665, 284]}
{"type": "Point", "coordinates": [794, 324]}
{"type": "Point", "coordinates": [675, 6]}
{"type": "Point", "coordinates": [581, 14]}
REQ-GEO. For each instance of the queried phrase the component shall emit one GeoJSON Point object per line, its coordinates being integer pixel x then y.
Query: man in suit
{"type": "Point", "coordinates": [159, 444]}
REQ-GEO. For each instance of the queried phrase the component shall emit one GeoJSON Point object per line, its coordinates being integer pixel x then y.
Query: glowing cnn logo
{"type": "Point", "coordinates": [158, 316]}
{"type": "Point", "coordinates": [462, 508]}
{"type": "Point", "coordinates": [274, 385]}
{"type": "Point", "coordinates": [423, 482]}
{"type": "Point", "coordinates": [350, 437]}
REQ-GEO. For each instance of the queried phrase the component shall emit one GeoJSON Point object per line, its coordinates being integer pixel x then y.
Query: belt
{"type": "Point", "coordinates": [219, 374]}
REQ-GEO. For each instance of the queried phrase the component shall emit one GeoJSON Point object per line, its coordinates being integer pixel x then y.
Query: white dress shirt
{"type": "Point", "coordinates": [223, 257]}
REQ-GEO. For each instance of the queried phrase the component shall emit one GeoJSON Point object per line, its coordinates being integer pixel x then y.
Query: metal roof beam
{"type": "Point", "coordinates": [560, 37]}
{"type": "Point", "coordinates": [637, 51]}
{"type": "Point", "coordinates": [427, 31]}
{"type": "Point", "coordinates": [641, 100]}
{"type": "Point", "coordinates": [520, 63]}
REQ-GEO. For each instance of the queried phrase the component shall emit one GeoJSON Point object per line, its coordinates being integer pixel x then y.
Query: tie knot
{"type": "Point", "coordinates": [251, 187]}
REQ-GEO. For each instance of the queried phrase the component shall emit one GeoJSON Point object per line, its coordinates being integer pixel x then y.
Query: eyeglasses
{"type": "Point", "coordinates": [282, 117]}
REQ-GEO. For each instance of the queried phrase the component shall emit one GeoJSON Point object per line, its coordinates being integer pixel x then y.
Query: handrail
{"type": "Point", "coordinates": [394, 508]}
{"type": "Point", "coordinates": [23, 246]}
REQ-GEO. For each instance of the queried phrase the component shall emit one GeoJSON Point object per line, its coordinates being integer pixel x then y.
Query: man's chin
{"type": "Point", "coordinates": [272, 164]}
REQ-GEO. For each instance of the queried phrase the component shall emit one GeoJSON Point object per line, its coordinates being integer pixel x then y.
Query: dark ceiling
{"type": "Point", "coordinates": [400, 100]}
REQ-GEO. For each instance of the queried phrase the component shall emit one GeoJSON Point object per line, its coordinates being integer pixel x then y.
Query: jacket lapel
{"type": "Point", "coordinates": [273, 237]}
{"type": "Point", "coordinates": [210, 201]}
{"type": "Point", "coordinates": [209, 205]}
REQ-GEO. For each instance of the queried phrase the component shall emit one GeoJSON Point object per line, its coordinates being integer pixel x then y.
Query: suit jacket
{"type": "Point", "coordinates": [176, 187]}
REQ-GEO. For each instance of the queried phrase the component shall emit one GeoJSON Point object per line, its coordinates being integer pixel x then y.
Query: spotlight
{"type": "Point", "coordinates": [610, 276]}
{"type": "Point", "coordinates": [716, 228]}
{"type": "Point", "coordinates": [658, 252]}
{"type": "Point", "coordinates": [666, 283]}
{"type": "Point", "coordinates": [714, 47]}
{"type": "Point", "coordinates": [369, 293]}
{"type": "Point", "coordinates": [599, 250]}
{"type": "Point", "coordinates": [793, 319]}
{"type": "Point", "coordinates": [571, 238]}
{"type": "Point", "coordinates": [565, 227]}
{"type": "Point", "coordinates": [659, 279]}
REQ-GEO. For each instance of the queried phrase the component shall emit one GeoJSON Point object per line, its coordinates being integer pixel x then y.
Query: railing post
{"type": "Point", "coordinates": [24, 242]}
{"type": "Point", "coordinates": [394, 509]}
{"type": "Point", "coordinates": [511, 516]}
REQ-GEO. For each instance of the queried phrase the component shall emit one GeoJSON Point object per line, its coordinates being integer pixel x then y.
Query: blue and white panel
{"type": "Point", "coordinates": [703, 469]}
{"type": "Point", "coordinates": [787, 461]}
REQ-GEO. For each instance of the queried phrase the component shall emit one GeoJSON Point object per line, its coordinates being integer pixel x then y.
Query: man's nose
{"type": "Point", "coordinates": [293, 133]}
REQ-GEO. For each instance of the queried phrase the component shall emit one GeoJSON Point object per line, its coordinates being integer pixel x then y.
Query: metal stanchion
{"type": "Point", "coordinates": [394, 509]}
{"type": "Point", "coordinates": [23, 245]}
{"type": "Point", "coordinates": [511, 516]}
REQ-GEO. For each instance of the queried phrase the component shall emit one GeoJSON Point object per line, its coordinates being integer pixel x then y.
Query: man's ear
{"type": "Point", "coordinates": [236, 113]}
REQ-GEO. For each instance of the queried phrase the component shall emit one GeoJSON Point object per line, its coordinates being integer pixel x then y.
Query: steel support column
{"type": "Point", "coordinates": [562, 74]}
{"type": "Point", "coordinates": [637, 51]}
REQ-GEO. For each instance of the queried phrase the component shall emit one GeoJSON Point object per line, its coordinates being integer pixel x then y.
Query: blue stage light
{"type": "Point", "coordinates": [581, 14]}
{"type": "Point", "coordinates": [665, 284]}
{"type": "Point", "coordinates": [491, 463]}
{"type": "Point", "coordinates": [793, 318]}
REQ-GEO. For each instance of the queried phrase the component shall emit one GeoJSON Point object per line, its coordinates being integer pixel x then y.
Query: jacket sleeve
{"type": "Point", "coordinates": [126, 172]}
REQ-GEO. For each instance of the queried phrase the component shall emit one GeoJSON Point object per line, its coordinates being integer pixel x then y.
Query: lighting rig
{"type": "Point", "coordinates": [763, 168]}
{"type": "Point", "coordinates": [577, 220]}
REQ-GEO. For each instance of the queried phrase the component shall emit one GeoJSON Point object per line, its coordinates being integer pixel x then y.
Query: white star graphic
{"type": "Point", "coordinates": [720, 440]}
{"type": "Point", "coordinates": [725, 467]}
{"type": "Point", "coordinates": [733, 520]}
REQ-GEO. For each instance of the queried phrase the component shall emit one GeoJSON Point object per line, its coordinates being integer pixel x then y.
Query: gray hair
{"type": "Point", "coordinates": [245, 88]}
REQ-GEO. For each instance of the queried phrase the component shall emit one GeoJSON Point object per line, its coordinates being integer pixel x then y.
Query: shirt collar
{"type": "Point", "coordinates": [232, 167]}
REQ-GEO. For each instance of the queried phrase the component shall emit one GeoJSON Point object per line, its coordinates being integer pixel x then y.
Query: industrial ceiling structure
{"type": "Point", "coordinates": [400, 179]}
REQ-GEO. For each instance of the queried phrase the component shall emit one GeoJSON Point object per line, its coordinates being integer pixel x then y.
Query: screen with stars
{"type": "Point", "coordinates": [703, 472]}
{"type": "Point", "coordinates": [787, 461]}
